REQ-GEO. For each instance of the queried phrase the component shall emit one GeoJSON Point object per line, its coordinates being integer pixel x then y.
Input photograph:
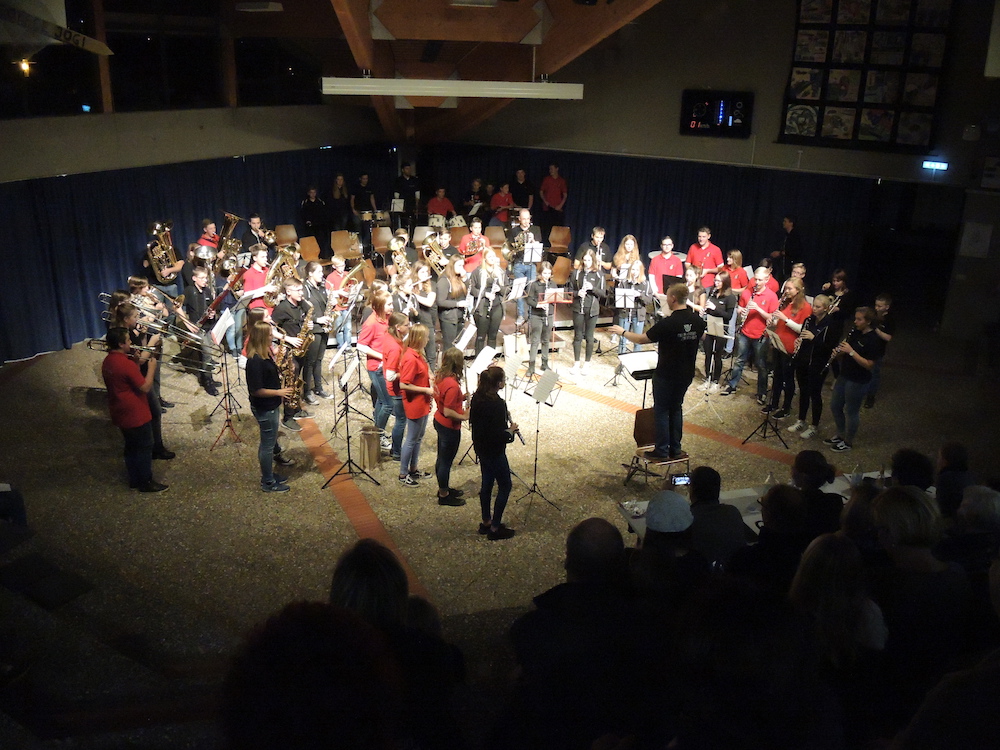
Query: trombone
{"type": "Point", "coordinates": [177, 362]}
{"type": "Point", "coordinates": [182, 335]}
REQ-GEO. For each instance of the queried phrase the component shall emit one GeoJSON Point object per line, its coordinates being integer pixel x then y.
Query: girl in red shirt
{"type": "Point", "coordinates": [448, 420]}
{"type": "Point", "coordinates": [399, 326]}
{"type": "Point", "coordinates": [415, 382]}
{"type": "Point", "coordinates": [784, 327]}
{"type": "Point", "coordinates": [370, 343]}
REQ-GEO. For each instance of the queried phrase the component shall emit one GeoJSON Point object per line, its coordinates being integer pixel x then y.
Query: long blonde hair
{"type": "Point", "coordinates": [416, 340]}
{"type": "Point", "coordinates": [624, 256]}
{"type": "Point", "coordinates": [259, 343]}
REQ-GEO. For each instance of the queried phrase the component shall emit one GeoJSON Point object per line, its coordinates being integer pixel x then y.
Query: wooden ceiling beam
{"type": "Point", "coordinates": [439, 20]}
{"type": "Point", "coordinates": [578, 28]}
{"type": "Point", "coordinates": [353, 18]}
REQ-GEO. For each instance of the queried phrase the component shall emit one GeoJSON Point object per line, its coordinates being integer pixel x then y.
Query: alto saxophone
{"type": "Point", "coordinates": [285, 360]}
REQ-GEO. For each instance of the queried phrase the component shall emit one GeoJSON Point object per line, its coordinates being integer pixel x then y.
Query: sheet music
{"type": "Point", "coordinates": [396, 206]}
{"type": "Point", "coordinates": [468, 333]}
{"type": "Point", "coordinates": [717, 327]}
{"type": "Point", "coordinates": [545, 386]}
{"type": "Point", "coordinates": [625, 297]}
{"type": "Point", "coordinates": [517, 288]}
{"type": "Point", "coordinates": [483, 360]}
{"type": "Point", "coordinates": [226, 321]}
{"type": "Point", "coordinates": [533, 252]}
{"type": "Point", "coordinates": [475, 209]}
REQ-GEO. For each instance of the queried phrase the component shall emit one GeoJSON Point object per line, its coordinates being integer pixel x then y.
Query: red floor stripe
{"type": "Point", "coordinates": [756, 449]}
{"type": "Point", "coordinates": [350, 498]}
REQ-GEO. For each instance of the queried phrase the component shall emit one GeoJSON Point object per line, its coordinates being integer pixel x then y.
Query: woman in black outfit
{"type": "Point", "coordinates": [490, 435]}
{"type": "Point", "coordinates": [425, 294]}
{"type": "Point", "coordinates": [842, 301]}
{"type": "Point", "coordinates": [266, 394]}
{"type": "Point", "coordinates": [820, 335]}
{"type": "Point", "coordinates": [587, 283]}
{"type": "Point", "coordinates": [488, 287]}
{"type": "Point", "coordinates": [451, 296]}
{"type": "Point", "coordinates": [719, 305]}
{"type": "Point", "coordinates": [312, 369]}
{"type": "Point", "coordinates": [340, 204]}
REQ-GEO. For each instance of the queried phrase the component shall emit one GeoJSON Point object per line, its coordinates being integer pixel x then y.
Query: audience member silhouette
{"type": "Point", "coordinates": [312, 676]}
{"type": "Point", "coordinates": [718, 529]}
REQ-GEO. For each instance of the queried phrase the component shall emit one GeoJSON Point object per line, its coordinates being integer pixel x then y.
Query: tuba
{"type": "Point", "coordinates": [161, 252]}
{"type": "Point", "coordinates": [229, 245]}
{"type": "Point", "coordinates": [431, 249]}
{"type": "Point", "coordinates": [280, 271]}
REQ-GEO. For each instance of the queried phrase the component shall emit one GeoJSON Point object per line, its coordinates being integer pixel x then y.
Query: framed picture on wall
{"type": "Point", "coordinates": [866, 74]}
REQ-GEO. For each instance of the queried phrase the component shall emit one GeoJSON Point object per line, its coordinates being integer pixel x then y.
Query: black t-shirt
{"type": "Point", "coordinates": [363, 198]}
{"type": "Point", "coordinates": [521, 192]}
{"type": "Point", "coordinates": [677, 337]}
{"type": "Point", "coordinates": [868, 346]}
{"type": "Point", "coordinates": [263, 373]}
{"type": "Point", "coordinates": [603, 253]}
{"type": "Point", "coordinates": [288, 317]}
{"type": "Point", "coordinates": [888, 326]}
{"type": "Point", "coordinates": [407, 188]}
{"type": "Point", "coordinates": [488, 417]}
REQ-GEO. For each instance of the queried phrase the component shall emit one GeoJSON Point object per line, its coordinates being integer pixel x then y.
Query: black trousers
{"type": "Point", "coordinates": [312, 369]}
{"type": "Point", "coordinates": [488, 325]}
{"type": "Point", "coordinates": [583, 330]}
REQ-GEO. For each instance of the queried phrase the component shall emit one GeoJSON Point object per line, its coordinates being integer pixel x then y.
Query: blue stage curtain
{"type": "Point", "coordinates": [70, 238]}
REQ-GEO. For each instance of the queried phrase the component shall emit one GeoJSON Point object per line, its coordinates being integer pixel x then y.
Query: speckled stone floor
{"type": "Point", "coordinates": [215, 546]}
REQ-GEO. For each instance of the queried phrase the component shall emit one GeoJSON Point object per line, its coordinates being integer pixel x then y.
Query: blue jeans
{"type": "Point", "coordinates": [760, 349]}
{"type": "Point", "coordinates": [448, 443]}
{"type": "Point", "coordinates": [383, 402]}
{"type": "Point", "coordinates": [846, 407]}
{"type": "Point", "coordinates": [268, 423]}
{"type": "Point", "coordinates": [342, 325]}
{"type": "Point", "coordinates": [398, 426]}
{"type": "Point", "coordinates": [876, 380]}
{"type": "Point", "coordinates": [524, 270]}
{"type": "Point", "coordinates": [139, 453]}
{"type": "Point", "coordinates": [668, 414]}
{"type": "Point", "coordinates": [634, 325]}
{"type": "Point", "coordinates": [234, 336]}
{"type": "Point", "coordinates": [494, 469]}
{"type": "Point", "coordinates": [410, 454]}
{"type": "Point", "coordinates": [732, 327]}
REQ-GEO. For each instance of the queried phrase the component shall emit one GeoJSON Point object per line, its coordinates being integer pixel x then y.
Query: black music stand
{"type": "Point", "coordinates": [227, 402]}
{"type": "Point", "coordinates": [640, 366]}
{"type": "Point", "coordinates": [545, 391]}
{"type": "Point", "coordinates": [769, 423]}
{"type": "Point", "coordinates": [350, 466]}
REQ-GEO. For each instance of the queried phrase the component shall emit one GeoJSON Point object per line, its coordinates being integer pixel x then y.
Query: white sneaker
{"type": "Point", "coordinates": [714, 388]}
{"type": "Point", "coordinates": [385, 442]}
{"type": "Point", "coordinates": [705, 386]}
{"type": "Point", "coordinates": [585, 369]}
{"type": "Point", "coordinates": [799, 424]}
{"type": "Point", "coordinates": [575, 369]}
{"type": "Point", "coordinates": [808, 432]}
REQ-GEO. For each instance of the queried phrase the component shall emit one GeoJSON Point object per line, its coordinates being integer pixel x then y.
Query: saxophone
{"type": "Point", "coordinates": [285, 361]}
{"type": "Point", "coordinates": [306, 333]}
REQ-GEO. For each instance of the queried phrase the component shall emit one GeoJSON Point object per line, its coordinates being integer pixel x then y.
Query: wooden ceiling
{"type": "Point", "coordinates": [435, 39]}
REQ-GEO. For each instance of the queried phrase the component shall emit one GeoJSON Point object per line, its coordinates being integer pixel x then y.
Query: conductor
{"type": "Point", "coordinates": [677, 337]}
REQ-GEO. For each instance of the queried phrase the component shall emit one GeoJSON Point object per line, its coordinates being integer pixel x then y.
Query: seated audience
{"type": "Point", "coordinates": [830, 588]}
{"type": "Point", "coordinates": [312, 676]}
{"type": "Point", "coordinates": [718, 529]}
{"type": "Point", "coordinates": [811, 471]}
{"type": "Point", "coordinates": [961, 711]}
{"type": "Point", "coordinates": [577, 650]}
{"type": "Point", "coordinates": [369, 580]}
{"type": "Point", "coordinates": [953, 476]}
{"type": "Point", "coordinates": [912, 468]}
{"type": "Point", "coordinates": [926, 602]}
{"type": "Point", "coordinates": [773, 560]}
{"type": "Point", "coordinates": [746, 675]}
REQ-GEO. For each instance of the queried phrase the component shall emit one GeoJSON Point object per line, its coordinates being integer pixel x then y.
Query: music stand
{"type": "Point", "coordinates": [640, 366]}
{"type": "Point", "coordinates": [624, 300]}
{"type": "Point", "coordinates": [548, 386]}
{"type": "Point", "coordinates": [228, 401]}
{"type": "Point", "coordinates": [483, 360]}
{"type": "Point", "coordinates": [350, 466]}
{"type": "Point", "coordinates": [768, 423]}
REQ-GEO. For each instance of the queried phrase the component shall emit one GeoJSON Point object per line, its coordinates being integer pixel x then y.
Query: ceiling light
{"type": "Point", "coordinates": [446, 88]}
